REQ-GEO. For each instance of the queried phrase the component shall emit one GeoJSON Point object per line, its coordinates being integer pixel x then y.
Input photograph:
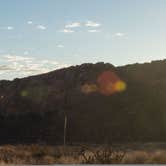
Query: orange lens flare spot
{"type": "Point", "coordinates": [107, 84]}
{"type": "Point", "coordinates": [120, 86]}
{"type": "Point", "coordinates": [89, 88]}
{"type": "Point", "coordinates": [107, 89]}
{"type": "Point", "coordinates": [110, 83]}
{"type": "Point", "coordinates": [107, 77]}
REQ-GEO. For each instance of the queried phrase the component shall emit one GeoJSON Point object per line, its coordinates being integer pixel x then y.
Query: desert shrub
{"type": "Point", "coordinates": [38, 151]}
{"type": "Point", "coordinates": [145, 157]}
{"type": "Point", "coordinates": [157, 157]}
{"type": "Point", "coordinates": [103, 156]}
{"type": "Point", "coordinates": [136, 157]}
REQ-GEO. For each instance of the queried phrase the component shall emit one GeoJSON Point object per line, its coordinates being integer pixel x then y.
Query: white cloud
{"type": "Point", "coordinates": [5, 68]}
{"type": "Point", "coordinates": [7, 28]}
{"type": "Point", "coordinates": [93, 30]}
{"type": "Point", "coordinates": [92, 24]}
{"type": "Point", "coordinates": [26, 66]}
{"type": "Point", "coordinates": [10, 28]}
{"type": "Point", "coordinates": [67, 31]}
{"type": "Point", "coordinates": [41, 27]}
{"type": "Point", "coordinates": [29, 22]}
{"type": "Point", "coordinates": [89, 24]}
{"type": "Point", "coordinates": [73, 25]}
{"type": "Point", "coordinates": [15, 58]}
{"type": "Point", "coordinates": [119, 34]}
{"type": "Point", "coordinates": [60, 46]}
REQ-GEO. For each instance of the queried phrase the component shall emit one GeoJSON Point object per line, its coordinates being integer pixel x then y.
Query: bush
{"type": "Point", "coordinates": [103, 156]}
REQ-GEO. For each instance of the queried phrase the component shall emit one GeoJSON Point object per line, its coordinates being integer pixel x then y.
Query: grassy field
{"type": "Point", "coordinates": [138, 153]}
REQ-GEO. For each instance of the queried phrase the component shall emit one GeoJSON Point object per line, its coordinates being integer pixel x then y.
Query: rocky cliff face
{"type": "Point", "coordinates": [103, 103]}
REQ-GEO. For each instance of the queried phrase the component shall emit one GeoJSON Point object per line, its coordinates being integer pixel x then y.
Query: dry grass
{"type": "Point", "coordinates": [145, 157]}
{"type": "Point", "coordinates": [37, 154]}
{"type": "Point", "coordinates": [104, 155]}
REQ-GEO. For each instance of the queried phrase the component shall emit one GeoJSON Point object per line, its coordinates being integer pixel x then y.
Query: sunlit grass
{"type": "Point", "coordinates": [42, 154]}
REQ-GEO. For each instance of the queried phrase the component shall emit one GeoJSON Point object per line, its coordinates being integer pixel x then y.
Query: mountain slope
{"type": "Point", "coordinates": [103, 104]}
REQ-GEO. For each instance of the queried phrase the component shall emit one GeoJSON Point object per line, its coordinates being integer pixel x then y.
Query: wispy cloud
{"type": "Point", "coordinates": [60, 46]}
{"type": "Point", "coordinates": [93, 30]}
{"type": "Point", "coordinates": [25, 66]}
{"type": "Point", "coordinates": [67, 31]}
{"type": "Point", "coordinates": [5, 68]}
{"type": "Point", "coordinates": [92, 24]}
{"type": "Point", "coordinates": [29, 22]}
{"type": "Point", "coordinates": [15, 58]}
{"type": "Point", "coordinates": [7, 28]}
{"type": "Point", "coordinates": [73, 25]}
{"type": "Point", "coordinates": [41, 27]}
{"type": "Point", "coordinates": [10, 28]}
{"type": "Point", "coordinates": [119, 34]}
{"type": "Point", "coordinates": [89, 24]}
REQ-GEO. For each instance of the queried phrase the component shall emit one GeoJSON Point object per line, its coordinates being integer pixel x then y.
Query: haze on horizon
{"type": "Point", "coordinates": [40, 36]}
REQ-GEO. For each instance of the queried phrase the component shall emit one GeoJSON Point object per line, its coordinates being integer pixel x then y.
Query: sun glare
{"type": "Point", "coordinates": [107, 84]}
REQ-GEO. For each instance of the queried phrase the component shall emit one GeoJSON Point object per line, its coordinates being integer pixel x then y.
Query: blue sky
{"type": "Point", "coordinates": [37, 36]}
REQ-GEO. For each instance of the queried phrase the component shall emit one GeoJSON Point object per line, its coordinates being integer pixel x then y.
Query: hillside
{"type": "Point", "coordinates": [103, 104]}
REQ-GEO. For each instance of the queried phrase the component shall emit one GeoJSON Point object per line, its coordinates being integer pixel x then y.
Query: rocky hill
{"type": "Point", "coordinates": [103, 104]}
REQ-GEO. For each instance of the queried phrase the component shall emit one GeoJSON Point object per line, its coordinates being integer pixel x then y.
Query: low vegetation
{"type": "Point", "coordinates": [102, 155]}
{"type": "Point", "coordinates": [40, 154]}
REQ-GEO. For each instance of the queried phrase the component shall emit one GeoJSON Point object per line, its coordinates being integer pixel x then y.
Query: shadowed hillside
{"type": "Point", "coordinates": [103, 103]}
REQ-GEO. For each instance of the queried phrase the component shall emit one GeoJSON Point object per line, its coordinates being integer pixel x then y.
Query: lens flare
{"type": "Point", "coordinates": [120, 86]}
{"type": "Point", "coordinates": [24, 93]}
{"type": "Point", "coordinates": [109, 83]}
{"type": "Point", "coordinates": [89, 88]}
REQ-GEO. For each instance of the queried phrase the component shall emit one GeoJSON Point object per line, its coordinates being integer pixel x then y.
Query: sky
{"type": "Point", "coordinates": [38, 36]}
